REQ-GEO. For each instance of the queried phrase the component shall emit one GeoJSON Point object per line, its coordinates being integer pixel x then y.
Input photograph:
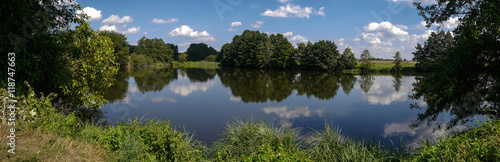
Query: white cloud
{"type": "Point", "coordinates": [94, 15]}
{"type": "Point", "coordinates": [386, 29]}
{"type": "Point", "coordinates": [236, 23]}
{"type": "Point", "coordinates": [451, 23]}
{"type": "Point", "coordinates": [187, 31]}
{"type": "Point", "coordinates": [232, 29]}
{"type": "Point", "coordinates": [340, 41]}
{"type": "Point", "coordinates": [291, 10]}
{"type": "Point", "coordinates": [299, 38]}
{"type": "Point", "coordinates": [115, 19]}
{"type": "Point", "coordinates": [161, 21]}
{"type": "Point", "coordinates": [288, 34]}
{"type": "Point", "coordinates": [258, 24]}
{"type": "Point", "coordinates": [108, 28]}
{"type": "Point", "coordinates": [145, 33]}
{"type": "Point", "coordinates": [132, 30]}
{"type": "Point", "coordinates": [284, 1]}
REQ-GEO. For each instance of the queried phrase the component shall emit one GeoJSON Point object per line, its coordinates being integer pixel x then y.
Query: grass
{"type": "Point", "coordinates": [198, 64]}
{"type": "Point", "coordinates": [55, 136]}
{"type": "Point", "coordinates": [385, 66]}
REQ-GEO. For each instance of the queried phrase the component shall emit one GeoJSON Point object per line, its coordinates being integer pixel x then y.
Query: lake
{"type": "Point", "coordinates": [204, 100]}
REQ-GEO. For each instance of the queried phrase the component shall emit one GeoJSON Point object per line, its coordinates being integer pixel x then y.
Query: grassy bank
{"type": "Point", "coordinates": [198, 64]}
{"type": "Point", "coordinates": [50, 135]}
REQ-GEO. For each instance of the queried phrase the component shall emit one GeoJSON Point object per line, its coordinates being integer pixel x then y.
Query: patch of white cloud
{"type": "Point", "coordinates": [187, 31]}
{"type": "Point", "coordinates": [449, 24]}
{"type": "Point", "coordinates": [232, 29]}
{"type": "Point", "coordinates": [284, 1]}
{"type": "Point", "coordinates": [291, 10]}
{"type": "Point", "coordinates": [132, 30]}
{"type": "Point", "coordinates": [299, 38]}
{"type": "Point", "coordinates": [108, 28]}
{"type": "Point", "coordinates": [94, 15]}
{"type": "Point", "coordinates": [288, 34]}
{"type": "Point", "coordinates": [386, 29]}
{"type": "Point", "coordinates": [161, 21]}
{"type": "Point", "coordinates": [258, 24]}
{"type": "Point", "coordinates": [236, 23]}
{"type": "Point", "coordinates": [382, 91]}
{"type": "Point", "coordinates": [115, 19]}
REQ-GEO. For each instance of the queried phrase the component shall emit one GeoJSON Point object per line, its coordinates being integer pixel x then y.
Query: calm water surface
{"type": "Point", "coordinates": [203, 100]}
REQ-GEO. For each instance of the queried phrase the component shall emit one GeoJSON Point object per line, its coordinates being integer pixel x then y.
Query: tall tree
{"type": "Point", "coordinates": [121, 46]}
{"type": "Point", "coordinates": [323, 55]}
{"type": "Point", "coordinates": [199, 51]}
{"type": "Point", "coordinates": [283, 50]}
{"type": "Point", "coordinates": [251, 49]}
{"type": "Point", "coordinates": [174, 48]}
{"type": "Point", "coordinates": [398, 61]}
{"type": "Point", "coordinates": [366, 63]}
{"type": "Point", "coordinates": [347, 59]}
{"type": "Point", "coordinates": [434, 50]}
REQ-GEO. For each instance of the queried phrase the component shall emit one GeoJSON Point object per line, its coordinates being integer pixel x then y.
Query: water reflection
{"type": "Point", "coordinates": [186, 89]}
{"type": "Point", "coordinates": [386, 90]}
{"type": "Point", "coordinates": [153, 79]}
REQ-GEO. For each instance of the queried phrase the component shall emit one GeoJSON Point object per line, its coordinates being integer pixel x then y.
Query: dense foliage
{"type": "Point", "coordinates": [258, 50]}
{"type": "Point", "coordinates": [433, 50]}
{"type": "Point", "coordinates": [199, 52]}
{"type": "Point", "coordinates": [466, 81]}
{"type": "Point", "coordinates": [120, 45]}
{"type": "Point", "coordinates": [78, 64]}
{"type": "Point", "coordinates": [155, 48]}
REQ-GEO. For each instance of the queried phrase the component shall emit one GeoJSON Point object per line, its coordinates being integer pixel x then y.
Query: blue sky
{"type": "Point", "coordinates": [381, 26]}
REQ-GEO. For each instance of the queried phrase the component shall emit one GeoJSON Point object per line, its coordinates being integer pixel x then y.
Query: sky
{"type": "Point", "coordinates": [381, 26]}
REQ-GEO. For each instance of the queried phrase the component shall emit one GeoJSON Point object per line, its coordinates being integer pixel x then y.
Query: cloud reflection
{"type": "Point", "coordinates": [161, 99]}
{"type": "Point", "coordinates": [421, 133]}
{"type": "Point", "coordinates": [187, 89]}
{"type": "Point", "coordinates": [289, 113]}
{"type": "Point", "coordinates": [383, 93]}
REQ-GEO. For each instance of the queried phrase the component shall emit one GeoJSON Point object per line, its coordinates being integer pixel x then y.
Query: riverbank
{"type": "Point", "coordinates": [56, 136]}
{"type": "Point", "coordinates": [197, 64]}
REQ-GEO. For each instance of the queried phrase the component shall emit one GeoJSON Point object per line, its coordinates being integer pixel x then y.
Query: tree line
{"type": "Point", "coordinates": [258, 50]}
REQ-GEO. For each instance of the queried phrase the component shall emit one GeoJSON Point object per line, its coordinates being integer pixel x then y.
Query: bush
{"type": "Point", "coordinates": [210, 58]}
{"type": "Point", "coordinates": [141, 60]}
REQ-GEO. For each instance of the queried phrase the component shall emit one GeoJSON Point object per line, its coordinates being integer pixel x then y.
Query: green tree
{"type": "Point", "coordinates": [251, 49]}
{"type": "Point", "coordinates": [283, 50]}
{"type": "Point", "coordinates": [347, 59]}
{"type": "Point", "coordinates": [174, 48]}
{"type": "Point", "coordinates": [155, 48]}
{"type": "Point", "coordinates": [226, 56]}
{"type": "Point", "coordinates": [121, 47]}
{"type": "Point", "coordinates": [322, 55]}
{"type": "Point", "coordinates": [434, 50]}
{"type": "Point", "coordinates": [210, 58]}
{"type": "Point", "coordinates": [366, 63]}
{"type": "Point", "coordinates": [398, 61]}
{"type": "Point", "coordinates": [183, 57]}
{"type": "Point", "coordinates": [199, 52]}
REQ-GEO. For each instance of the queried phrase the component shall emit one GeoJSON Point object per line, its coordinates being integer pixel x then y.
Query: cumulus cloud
{"type": "Point", "coordinates": [258, 24]}
{"type": "Point", "coordinates": [132, 30]}
{"type": "Point", "coordinates": [288, 34]}
{"type": "Point", "coordinates": [451, 23]}
{"type": "Point", "coordinates": [236, 23]}
{"type": "Point", "coordinates": [161, 21]}
{"type": "Point", "coordinates": [94, 15]}
{"type": "Point", "coordinates": [187, 31]}
{"type": "Point", "coordinates": [115, 19]}
{"type": "Point", "coordinates": [386, 29]}
{"type": "Point", "coordinates": [299, 38]}
{"type": "Point", "coordinates": [291, 10]}
{"type": "Point", "coordinates": [108, 28]}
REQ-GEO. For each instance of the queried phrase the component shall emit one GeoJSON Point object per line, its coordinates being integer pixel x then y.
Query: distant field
{"type": "Point", "coordinates": [386, 65]}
